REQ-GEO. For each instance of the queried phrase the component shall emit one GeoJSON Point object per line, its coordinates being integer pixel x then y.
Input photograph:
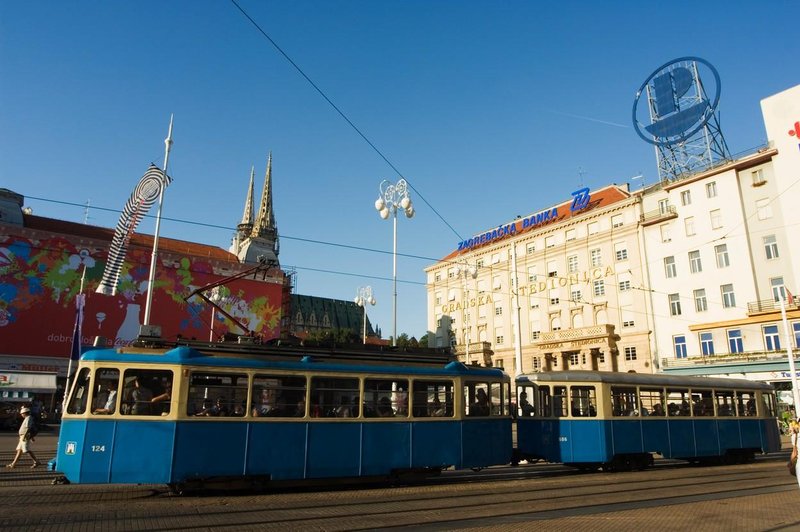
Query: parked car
{"type": "Point", "coordinates": [9, 416]}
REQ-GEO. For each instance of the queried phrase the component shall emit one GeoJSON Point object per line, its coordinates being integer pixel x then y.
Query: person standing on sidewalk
{"type": "Point", "coordinates": [25, 437]}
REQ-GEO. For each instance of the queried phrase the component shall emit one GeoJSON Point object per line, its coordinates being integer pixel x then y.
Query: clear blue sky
{"type": "Point", "coordinates": [489, 108]}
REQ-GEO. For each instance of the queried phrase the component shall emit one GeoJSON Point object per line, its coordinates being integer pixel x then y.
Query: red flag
{"type": "Point", "coordinates": [789, 297]}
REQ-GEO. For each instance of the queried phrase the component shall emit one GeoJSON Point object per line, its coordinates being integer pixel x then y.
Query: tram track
{"type": "Point", "coordinates": [471, 500]}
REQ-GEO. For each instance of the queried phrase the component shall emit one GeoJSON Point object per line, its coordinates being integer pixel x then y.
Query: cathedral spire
{"type": "Point", "coordinates": [247, 218]}
{"type": "Point", "coordinates": [265, 220]}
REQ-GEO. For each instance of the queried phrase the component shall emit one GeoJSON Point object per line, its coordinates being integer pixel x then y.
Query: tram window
{"type": "Point", "coordinates": [105, 398]}
{"type": "Point", "coordinates": [702, 404]}
{"type": "Point", "coordinates": [334, 397]}
{"type": "Point", "coordinates": [560, 401]}
{"type": "Point", "coordinates": [507, 399]}
{"type": "Point", "coordinates": [525, 394]}
{"type": "Point", "coordinates": [387, 398]}
{"type": "Point", "coordinates": [432, 398]}
{"type": "Point", "coordinates": [278, 396]}
{"type": "Point", "coordinates": [652, 400]}
{"type": "Point", "coordinates": [496, 399]}
{"type": "Point", "coordinates": [544, 404]}
{"type": "Point", "coordinates": [477, 398]}
{"type": "Point", "coordinates": [583, 401]}
{"type": "Point", "coordinates": [624, 401]}
{"type": "Point", "coordinates": [80, 392]}
{"type": "Point", "coordinates": [768, 401]}
{"type": "Point", "coordinates": [140, 387]}
{"type": "Point", "coordinates": [216, 394]}
{"type": "Point", "coordinates": [678, 402]}
{"type": "Point", "coordinates": [725, 403]}
{"type": "Point", "coordinates": [746, 403]}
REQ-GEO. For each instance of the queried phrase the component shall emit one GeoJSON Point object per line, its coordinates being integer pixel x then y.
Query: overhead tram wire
{"type": "Point", "coordinates": [344, 116]}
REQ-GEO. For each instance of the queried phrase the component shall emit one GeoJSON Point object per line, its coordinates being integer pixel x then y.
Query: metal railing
{"type": "Point", "coordinates": [658, 215]}
{"type": "Point", "coordinates": [768, 305]}
{"type": "Point", "coordinates": [725, 358]}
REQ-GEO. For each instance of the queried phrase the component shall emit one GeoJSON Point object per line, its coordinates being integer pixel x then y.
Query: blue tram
{"type": "Point", "coordinates": [616, 421]}
{"type": "Point", "coordinates": [192, 414]}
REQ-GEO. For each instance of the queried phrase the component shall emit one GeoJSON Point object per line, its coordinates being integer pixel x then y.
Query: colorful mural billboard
{"type": "Point", "coordinates": [40, 277]}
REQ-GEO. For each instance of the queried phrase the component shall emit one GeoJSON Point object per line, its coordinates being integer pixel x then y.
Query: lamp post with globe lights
{"type": "Point", "coordinates": [394, 196]}
{"type": "Point", "coordinates": [364, 297]}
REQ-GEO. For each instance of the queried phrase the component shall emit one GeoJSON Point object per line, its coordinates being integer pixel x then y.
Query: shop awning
{"type": "Point", "coordinates": [31, 382]}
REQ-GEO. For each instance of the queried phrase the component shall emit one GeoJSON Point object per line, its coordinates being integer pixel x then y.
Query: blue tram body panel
{"type": "Point", "coordinates": [436, 444]}
{"type": "Point", "coordinates": [485, 442]}
{"type": "Point", "coordinates": [334, 450]}
{"type": "Point", "coordinates": [143, 452]}
{"type": "Point", "coordinates": [204, 450]}
{"type": "Point", "coordinates": [386, 447]}
{"type": "Point", "coordinates": [277, 450]}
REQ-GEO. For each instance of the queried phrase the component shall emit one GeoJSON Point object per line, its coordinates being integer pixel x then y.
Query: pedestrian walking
{"type": "Point", "coordinates": [26, 435]}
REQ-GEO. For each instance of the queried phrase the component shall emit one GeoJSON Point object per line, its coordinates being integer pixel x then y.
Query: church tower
{"type": "Point", "coordinates": [259, 237]}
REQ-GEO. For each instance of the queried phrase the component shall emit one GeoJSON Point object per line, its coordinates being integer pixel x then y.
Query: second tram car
{"type": "Point", "coordinates": [187, 415]}
{"type": "Point", "coordinates": [617, 421]}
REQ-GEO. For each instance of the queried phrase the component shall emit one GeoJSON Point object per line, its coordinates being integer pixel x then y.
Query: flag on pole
{"type": "Point", "coordinates": [80, 301]}
{"type": "Point", "coordinates": [144, 196]}
{"type": "Point", "coordinates": [789, 297]}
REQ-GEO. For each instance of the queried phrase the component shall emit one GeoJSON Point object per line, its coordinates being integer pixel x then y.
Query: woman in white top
{"type": "Point", "coordinates": [24, 439]}
{"type": "Point", "coordinates": [794, 429]}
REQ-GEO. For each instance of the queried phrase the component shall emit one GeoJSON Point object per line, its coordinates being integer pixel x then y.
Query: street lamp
{"type": "Point", "coordinates": [364, 296]}
{"type": "Point", "coordinates": [394, 196]}
{"type": "Point", "coordinates": [463, 271]}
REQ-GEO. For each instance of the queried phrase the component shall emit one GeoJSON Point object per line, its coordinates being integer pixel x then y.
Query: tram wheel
{"type": "Point", "coordinates": [177, 488]}
{"type": "Point", "coordinates": [62, 480]}
{"type": "Point", "coordinates": [477, 469]}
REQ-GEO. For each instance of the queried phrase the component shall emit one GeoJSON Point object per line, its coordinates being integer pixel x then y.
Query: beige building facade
{"type": "Point", "coordinates": [559, 289]}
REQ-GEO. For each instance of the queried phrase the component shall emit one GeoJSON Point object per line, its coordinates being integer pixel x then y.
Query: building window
{"type": "Point", "coordinates": [575, 295]}
{"type": "Point", "coordinates": [728, 299]}
{"type": "Point", "coordinates": [535, 335]}
{"type": "Point", "coordinates": [674, 304]}
{"type": "Point", "coordinates": [716, 219]}
{"type": "Point", "coordinates": [686, 198]}
{"type": "Point", "coordinates": [451, 294]}
{"type": "Point", "coordinates": [479, 263]}
{"type": "Point", "coordinates": [595, 257]}
{"type": "Point", "coordinates": [482, 312]}
{"type": "Point", "coordinates": [722, 256]}
{"type": "Point", "coordinates": [599, 288]}
{"type": "Point", "coordinates": [663, 206]}
{"type": "Point", "coordinates": [498, 310]}
{"type": "Point", "coordinates": [552, 269]}
{"type": "Point", "coordinates": [536, 364]}
{"type": "Point", "coordinates": [554, 297]}
{"type": "Point", "coordinates": [573, 359]}
{"type": "Point", "coordinates": [437, 277]}
{"type": "Point", "coordinates": [707, 343]}
{"type": "Point", "coordinates": [572, 263]}
{"type": "Point", "coordinates": [549, 241]}
{"type": "Point", "coordinates": [778, 289]}
{"type": "Point", "coordinates": [495, 258]}
{"type": "Point", "coordinates": [665, 233]}
{"type": "Point", "coordinates": [499, 339]}
{"type": "Point", "coordinates": [630, 354]}
{"type": "Point", "coordinates": [532, 274]}
{"type": "Point", "coordinates": [621, 251]}
{"type": "Point", "coordinates": [669, 267]}
{"type": "Point", "coordinates": [570, 235]}
{"type": "Point", "coordinates": [451, 273]}
{"type": "Point", "coordinates": [758, 177]}
{"type": "Point", "coordinates": [763, 209]}
{"type": "Point", "coordinates": [438, 298]}
{"type": "Point", "coordinates": [625, 285]}
{"type": "Point", "coordinates": [617, 220]}
{"type": "Point", "coordinates": [735, 344]}
{"type": "Point", "coordinates": [711, 189]}
{"type": "Point", "coordinates": [627, 317]}
{"type": "Point", "coordinates": [496, 284]}
{"type": "Point", "coordinates": [680, 346]}
{"type": "Point", "coordinates": [772, 340]}
{"type": "Point", "coordinates": [531, 248]}
{"type": "Point", "coordinates": [695, 265]}
{"type": "Point", "coordinates": [689, 223]}
{"type": "Point", "coordinates": [594, 228]}
{"type": "Point", "coordinates": [796, 331]}
{"type": "Point", "coordinates": [700, 303]}
{"type": "Point", "coordinates": [771, 247]}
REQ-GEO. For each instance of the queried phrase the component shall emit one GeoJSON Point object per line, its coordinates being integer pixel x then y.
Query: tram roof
{"type": "Point", "coordinates": [296, 360]}
{"type": "Point", "coordinates": [613, 377]}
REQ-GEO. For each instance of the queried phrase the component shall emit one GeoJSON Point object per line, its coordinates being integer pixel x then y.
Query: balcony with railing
{"type": "Point", "coordinates": [478, 351]}
{"type": "Point", "coordinates": [659, 215]}
{"type": "Point", "coordinates": [749, 357]}
{"type": "Point", "coordinates": [766, 306]}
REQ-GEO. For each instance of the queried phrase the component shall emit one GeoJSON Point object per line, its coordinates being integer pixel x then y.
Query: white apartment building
{"type": "Point", "coordinates": [683, 276]}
